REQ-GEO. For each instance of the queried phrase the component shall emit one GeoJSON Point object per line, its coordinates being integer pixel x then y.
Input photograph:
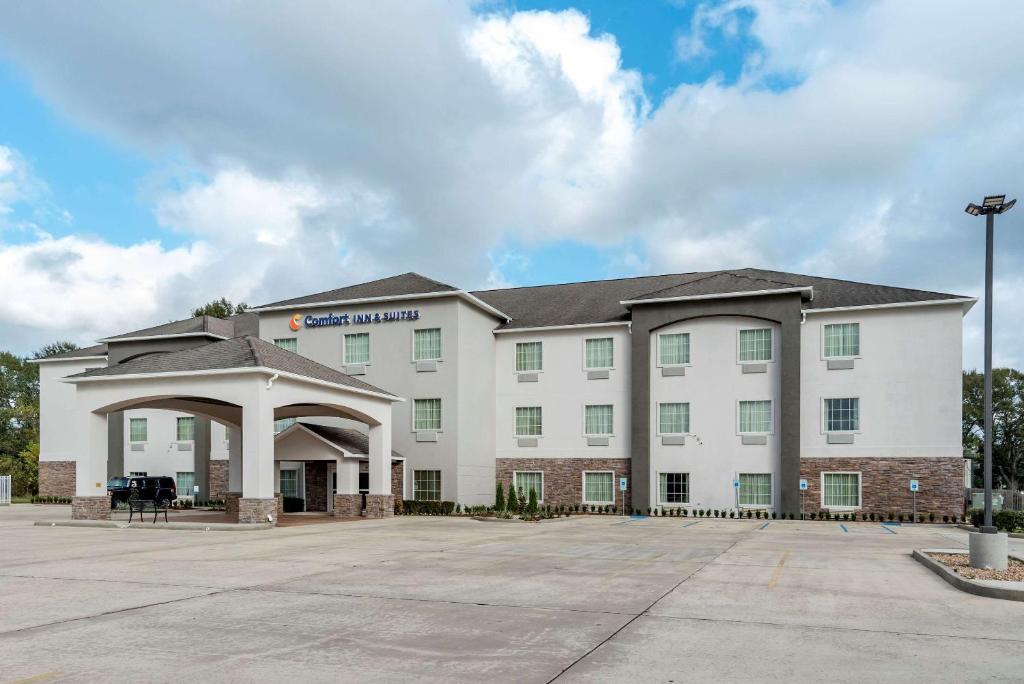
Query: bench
{"type": "Point", "coordinates": [140, 506]}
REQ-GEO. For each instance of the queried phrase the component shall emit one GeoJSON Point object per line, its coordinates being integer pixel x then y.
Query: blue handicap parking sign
{"type": "Point", "coordinates": [914, 487]}
{"type": "Point", "coordinates": [803, 485]}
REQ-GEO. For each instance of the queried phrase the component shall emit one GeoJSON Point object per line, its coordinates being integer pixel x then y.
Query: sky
{"type": "Point", "coordinates": [155, 156]}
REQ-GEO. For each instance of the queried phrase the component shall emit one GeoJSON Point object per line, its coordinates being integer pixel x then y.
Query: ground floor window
{"type": "Point", "coordinates": [673, 488]}
{"type": "Point", "coordinates": [426, 485]}
{"type": "Point", "coordinates": [840, 490]}
{"type": "Point", "coordinates": [755, 489]}
{"type": "Point", "coordinates": [525, 481]}
{"type": "Point", "coordinates": [185, 482]}
{"type": "Point", "coordinates": [290, 483]}
{"type": "Point", "coordinates": [598, 488]}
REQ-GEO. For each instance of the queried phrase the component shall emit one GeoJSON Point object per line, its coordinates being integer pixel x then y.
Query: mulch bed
{"type": "Point", "coordinates": [960, 563]}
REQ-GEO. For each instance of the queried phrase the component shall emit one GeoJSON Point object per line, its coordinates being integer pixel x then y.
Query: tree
{"type": "Point", "coordinates": [54, 348]}
{"type": "Point", "coordinates": [512, 501]}
{"type": "Point", "coordinates": [222, 308]}
{"type": "Point", "coordinates": [531, 507]}
{"type": "Point", "coordinates": [499, 498]}
{"type": "Point", "coordinates": [1007, 423]}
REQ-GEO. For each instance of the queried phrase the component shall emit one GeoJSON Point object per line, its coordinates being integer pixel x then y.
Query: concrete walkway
{"type": "Point", "coordinates": [440, 599]}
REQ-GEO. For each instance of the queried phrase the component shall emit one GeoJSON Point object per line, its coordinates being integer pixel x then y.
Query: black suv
{"type": "Point", "coordinates": [159, 489]}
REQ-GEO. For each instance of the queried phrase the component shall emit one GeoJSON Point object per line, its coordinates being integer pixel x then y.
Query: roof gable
{"type": "Point", "coordinates": [394, 286]}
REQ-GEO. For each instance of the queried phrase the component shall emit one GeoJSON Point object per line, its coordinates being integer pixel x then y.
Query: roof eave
{"type": "Point", "coordinates": [145, 338]}
{"type": "Point", "coordinates": [965, 302]}
{"type": "Point", "coordinates": [97, 357]}
{"type": "Point", "coordinates": [463, 294]}
{"type": "Point", "coordinates": [806, 292]}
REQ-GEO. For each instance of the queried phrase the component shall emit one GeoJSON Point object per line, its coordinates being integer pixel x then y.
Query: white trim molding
{"type": "Point", "coordinates": [628, 303]}
{"type": "Point", "coordinates": [462, 294]}
{"type": "Point", "coordinates": [968, 301]}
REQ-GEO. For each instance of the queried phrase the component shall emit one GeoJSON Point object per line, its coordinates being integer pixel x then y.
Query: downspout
{"type": "Point", "coordinates": [271, 379]}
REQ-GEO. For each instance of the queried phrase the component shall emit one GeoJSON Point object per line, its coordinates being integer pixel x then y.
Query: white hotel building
{"type": "Point", "coordinates": [729, 389]}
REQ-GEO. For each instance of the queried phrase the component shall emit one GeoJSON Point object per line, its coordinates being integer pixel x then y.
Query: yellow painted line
{"type": "Point", "coordinates": [41, 677]}
{"type": "Point", "coordinates": [778, 571]}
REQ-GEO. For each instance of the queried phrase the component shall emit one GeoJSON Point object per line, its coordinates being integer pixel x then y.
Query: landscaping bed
{"type": "Point", "coordinates": [960, 564]}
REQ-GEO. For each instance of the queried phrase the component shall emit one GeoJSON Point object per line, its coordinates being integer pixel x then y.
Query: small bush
{"type": "Point", "coordinates": [410, 507]}
{"type": "Point", "coordinates": [931, 517]}
{"type": "Point", "coordinates": [686, 512]}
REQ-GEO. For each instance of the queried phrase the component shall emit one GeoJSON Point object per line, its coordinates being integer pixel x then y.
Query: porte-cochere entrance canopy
{"type": "Point", "coordinates": [244, 383]}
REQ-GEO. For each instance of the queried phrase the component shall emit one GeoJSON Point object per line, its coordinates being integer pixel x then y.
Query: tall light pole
{"type": "Point", "coordinates": [990, 206]}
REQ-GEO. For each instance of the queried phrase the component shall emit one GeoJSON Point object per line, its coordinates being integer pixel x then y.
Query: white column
{"type": "Point", "coordinates": [348, 475]}
{"type": "Point", "coordinates": [380, 458]}
{"type": "Point", "coordinates": [258, 444]}
{"type": "Point", "coordinates": [91, 466]}
{"type": "Point", "coordinates": [277, 476]}
{"type": "Point", "coordinates": [234, 459]}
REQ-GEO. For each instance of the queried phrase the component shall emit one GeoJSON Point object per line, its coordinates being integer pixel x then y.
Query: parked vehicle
{"type": "Point", "coordinates": [163, 490]}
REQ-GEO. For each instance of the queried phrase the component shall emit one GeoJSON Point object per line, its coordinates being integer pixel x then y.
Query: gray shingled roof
{"type": "Point", "coordinates": [239, 352]}
{"type": "Point", "coordinates": [405, 284]}
{"type": "Point", "coordinates": [209, 325]}
{"type": "Point", "coordinates": [598, 301]}
{"type": "Point", "coordinates": [95, 350]}
{"type": "Point", "coordinates": [348, 439]}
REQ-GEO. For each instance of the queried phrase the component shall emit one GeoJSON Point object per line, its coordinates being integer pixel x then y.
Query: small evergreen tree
{"type": "Point", "coordinates": [531, 507]}
{"type": "Point", "coordinates": [512, 502]}
{"type": "Point", "coordinates": [499, 498]}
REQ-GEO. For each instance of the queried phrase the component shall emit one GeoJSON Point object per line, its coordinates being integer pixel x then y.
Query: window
{"type": "Point", "coordinates": [186, 429]}
{"type": "Point", "coordinates": [673, 488]}
{"type": "Point", "coordinates": [842, 340]}
{"type": "Point", "coordinates": [289, 343]}
{"type": "Point", "coordinates": [525, 481]}
{"type": "Point", "coordinates": [599, 353]}
{"type": "Point", "coordinates": [842, 415]}
{"type": "Point", "coordinates": [674, 350]}
{"type": "Point", "coordinates": [597, 420]}
{"type": "Point", "coordinates": [426, 344]}
{"type": "Point", "coordinates": [755, 417]}
{"type": "Point", "coordinates": [529, 421]}
{"type": "Point", "coordinates": [138, 429]}
{"type": "Point", "coordinates": [755, 489]}
{"type": "Point", "coordinates": [673, 419]}
{"type": "Point", "coordinates": [756, 345]}
{"type": "Point", "coordinates": [283, 424]}
{"type": "Point", "coordinates": [357, 348]}
{"type": "Point", "coordinates": [840, 490]}
{"type": "Point", "coordinates": [426, 485]}
{"type": "Point", "coordinates": [290, 483]}
{"type": "Point", "coordinates": [597, 488]}
{"type": "Point", "coordinates": [529, 356]}
{"type": "Point", "coordinates": [426, 414]}
{"type": "Point", "coordinates": [185, 482]}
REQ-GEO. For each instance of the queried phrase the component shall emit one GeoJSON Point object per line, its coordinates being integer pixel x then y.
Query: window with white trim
{"type": "Point", "coordinates": [755, 417]}
{"type": "Point", "coordinates": [673, 419]}
{"type": "Point", "coordinates": [186, 428]}
{"type": "Point", "coordinates": [529, 421]}
{"type": "Point", "coordinates": [184, 483]}
{"type": "Point", "coordinates": [755, 489]}
{"type": "Point", "coordinates": [673, 488]}
{"type": "Point", "coordinates": [529, 356]}
{"type": "Point", "coordinates": [674, 349]}
{"type": "Point", "coordinates": [842, 340]}
{"type": "Point", "coordinates": [283, 424]}
{"type": "Point", "coordinates": [598, 488]}
{"type": "Point", "coordinates": [426, 414]}
{"type": "Point", "coordinates": [598, 353]}
{"type": "Point", "coordinates": [597, 419]}
{"type": "Point", "coordinates": [138, 429]}
{"type": "Point", "coordinates": [840, 490]}
{"type": "Point", "coordinates": [527, 480]}
{"type": "Point", "coordinates": [426, 344]}
{"type": "Point", "coordinates": [290, 483]}
{"type": "Point", "coordinates": [426, 485]}
{"type": "Point", "coordinates": [357, 348]}
{"type": "Point", "coordinates": [289, 343]}
{"type": "Point", "coordinates": [756, 345]}
{"type": "Point", "coordinates": [842, 415]}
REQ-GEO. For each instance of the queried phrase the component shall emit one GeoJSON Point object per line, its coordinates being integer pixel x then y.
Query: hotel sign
{"type": "Point", "coordinates": [332, 319]}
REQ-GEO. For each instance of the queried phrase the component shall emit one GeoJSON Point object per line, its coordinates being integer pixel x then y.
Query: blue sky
{"type": "Point", "coordinates": [159, 155]}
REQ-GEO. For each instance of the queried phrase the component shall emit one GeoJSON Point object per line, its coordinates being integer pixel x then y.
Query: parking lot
{"type": "Point", "coordinates": [413, 599]}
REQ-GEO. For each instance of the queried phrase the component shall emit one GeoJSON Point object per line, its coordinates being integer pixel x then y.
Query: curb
{"type": "Point", "coordinates": [194, 527]}
{"type": "Point", "coordinates": [968, 585]}
{"type": "Point", "coordinates": [1012, 535]}
{"type": "Point", "coordinates": [482, 518]}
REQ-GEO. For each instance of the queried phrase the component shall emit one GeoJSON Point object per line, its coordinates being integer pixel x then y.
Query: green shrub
{"type": "Point", "coordinates": [428, 507]}
{"type": "Point", "coordinates": [1009, 521]}
{"type": "Point", "coordinates": [499, 497]}
{"type": "Point", "coordinates": [531, 505]}
{"type": "Point", "coordinates": [512, 499]}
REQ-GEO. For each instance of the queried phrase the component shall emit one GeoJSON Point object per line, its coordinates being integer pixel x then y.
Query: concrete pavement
{"type": "Point", "coordinates": [443, 599]}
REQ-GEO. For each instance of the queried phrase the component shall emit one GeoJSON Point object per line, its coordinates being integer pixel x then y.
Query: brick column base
{"type": "Point", "coordinates": [57, 478]}
{"type": "Point", "coordinates": [90, 508]}
{"type": "Point", "coordinates": [380, 506]}
{"type": "Point", "coordinates": [256, 510]}
{"type": "Point", "coordinates": [348, 505]}
{"type": "Point", "coordinates": [280, 503]}
{"type": "Point", "coordinates": [231, 504]}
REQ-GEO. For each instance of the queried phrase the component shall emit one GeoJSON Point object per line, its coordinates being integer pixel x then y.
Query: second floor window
{"type": "Point", "coordinates": [138, 429]}
{"type": "Point", "coordinates": [357, 348]}
{"type": "Point", "coordinates": [529, 421]}
{"type": "Point", "coordinates": [289, 343]}
{"type": "Point", "coordinates": [842, 415]}
{"type": "Point", "coordinates": [755, 417]}
{"type": "Point", "coordinates": [673, 419]}
{"type": "Point", "coordinates": [426, 344]}
{"type": "Point", "coordinates": [674, 349]}
{"type": "Point", "coordinates": [186, 429]}
{"type": "Point", "coordinates": [599, 353]}
{"type": "Point", "coordinates": [529, 356]}
{"type": "Point", "coordinates": [842, 340]}
{"type": "Point", "coordinates": [427, 414]}
{"type": "Point", "coordinates": [756, 345]}
{"type": "Point", "coordinates": [597, 420]}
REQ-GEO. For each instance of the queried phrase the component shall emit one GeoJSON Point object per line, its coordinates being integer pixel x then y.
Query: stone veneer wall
{"type": "Point", "coordinates": [231, 504]}
{"type": "Point", "coordinates": [90, 508]}
{"type": "Point", "coordinates": [885, 483]}
{"type": "Point", "coordinates": [380, 505]}
{"type": "Point", "coordinates": [563, 477]}
{"type": "Point", "coordinates": [218, 480]}
{"type": "Point", "coordinates": [316, 485]}
{"type": "Point", "coordinates": [256, 510]}
{"type": "Point", "coordinates": [348, 505]}
{"type": "Point", "coordinates": [56, 478]}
